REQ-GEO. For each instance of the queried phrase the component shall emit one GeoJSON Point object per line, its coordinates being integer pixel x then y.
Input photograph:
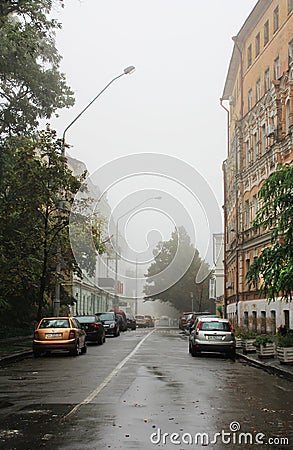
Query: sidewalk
{"type": "Point", "coordinates": [271, 365]}
{"type": "Point", "coordinates": [14, 348]}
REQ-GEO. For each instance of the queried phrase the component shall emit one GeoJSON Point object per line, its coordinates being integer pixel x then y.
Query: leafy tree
{"type": "Point", "coordinates": [31, 86]}
{"type": "Point", "coordinates": [34, 174]}
{"type": "Point", "coordinates": [178, 294]}
{"type": "Point", "coordinates": [275, 263]}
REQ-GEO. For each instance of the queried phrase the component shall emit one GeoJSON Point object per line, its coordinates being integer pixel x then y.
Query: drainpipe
{"type": "Point", "coordinates": [234, 38]}
{"type": "Point", "coordinates": [224, 169]}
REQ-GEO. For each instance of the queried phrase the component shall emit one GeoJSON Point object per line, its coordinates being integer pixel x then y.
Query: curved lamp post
{"type": "Point", "coordinates": [116, 242]}
{"type": "Point", "coordinates": [126, 71]}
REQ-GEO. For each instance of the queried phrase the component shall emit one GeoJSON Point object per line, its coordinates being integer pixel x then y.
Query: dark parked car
{"type": "Point", "coordinates": [93, 327]}
{"type": "Point", "coordinates": [131, 322]}
{"type": "Point", "coordinates": [121, 316]}
{"type": "Point", "coordinates": [110, 322]}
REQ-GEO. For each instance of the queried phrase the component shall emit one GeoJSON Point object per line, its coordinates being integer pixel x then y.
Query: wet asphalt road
{"type": "Point", "coordinates": [135, 392]}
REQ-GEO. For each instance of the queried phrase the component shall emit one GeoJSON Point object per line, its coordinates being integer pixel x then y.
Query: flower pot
{"type": "Point", "coordinates": [248, 347]}
{"type": "Point", "coordinates": [267, 351]}
{"type": "Point", "coordinates": [285, 354]}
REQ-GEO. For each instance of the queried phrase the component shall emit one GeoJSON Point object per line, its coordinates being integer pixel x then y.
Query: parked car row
{"type": "Point", "coordinates": [72, 334]}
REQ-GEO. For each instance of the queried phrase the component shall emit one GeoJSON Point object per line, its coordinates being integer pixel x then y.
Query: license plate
{"type": "Point", "coordinates": [53, 335]}
{"type": "Point", "coordinates": [214, 338]}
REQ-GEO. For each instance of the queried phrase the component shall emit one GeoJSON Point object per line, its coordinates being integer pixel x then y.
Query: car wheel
{"type": "Point", "coordinates": [189, 347]}
{"type": "Point", "coordinates": [84, 348]}
{"type": "Point", "coordinates": [193, 351]}
{"type": "Point", "coordinates": [104, 339]}
{"type": "Point", "coordinates": [101, 341]}
{"type": "Point", "coordinates": [231, 355]}
{"type": "Point", "coordinates": [75, 351]}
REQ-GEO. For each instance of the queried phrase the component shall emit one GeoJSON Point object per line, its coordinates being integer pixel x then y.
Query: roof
{"type": "Point", "coordinates": [256, 14]}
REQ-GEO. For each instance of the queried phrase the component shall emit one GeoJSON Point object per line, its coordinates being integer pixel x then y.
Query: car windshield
{"type": "Point", "coordinates": [55, 323]}
{"type": "Point", "coordinates": [86, 319]}
{"type": "Point", "coordinates": [106, 316]}
{"type": "Point", "coordinates": [215, 326]}
{"type": "Point", "coordinates": [139, 317]}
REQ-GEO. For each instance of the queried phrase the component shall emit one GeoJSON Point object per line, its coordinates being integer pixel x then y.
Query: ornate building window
{"type": "Point", "coordinates": [287, 116]}
{"type": "Point", "coordinates": [263, 139]}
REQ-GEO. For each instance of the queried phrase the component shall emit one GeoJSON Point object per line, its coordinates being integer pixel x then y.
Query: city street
{"type": "Point", "coordinates": [138, 390]}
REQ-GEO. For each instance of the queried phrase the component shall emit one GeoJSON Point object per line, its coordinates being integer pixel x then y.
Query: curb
{"type": "Point", "coordinates": [15, 355]}
{"type": "Point", "coordinates": [267, 367]}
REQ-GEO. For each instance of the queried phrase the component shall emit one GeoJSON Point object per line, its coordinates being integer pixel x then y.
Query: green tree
{"type": "Point", "coordinates": [34, 175]}
{"type": "Point", "coordinates": [178, 294]}
{"type": "Point", "coordinates": [31, 86]}
{"type": "Point", "coordinates": [274, 266]}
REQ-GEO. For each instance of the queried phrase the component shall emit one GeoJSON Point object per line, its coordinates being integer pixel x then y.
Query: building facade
{"type": "Point", "coordinates": [259, 95]}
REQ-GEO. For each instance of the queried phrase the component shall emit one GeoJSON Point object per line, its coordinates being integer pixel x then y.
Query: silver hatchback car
{"type": "Point", "coordinates": [212, 334]}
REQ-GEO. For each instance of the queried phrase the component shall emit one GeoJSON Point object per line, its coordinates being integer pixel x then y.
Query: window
{"type": "Point", "coordinates": [263, 139]}
{"type": "Point", "coordinates": [255, 145]}
{"type": "Point", "coordinates": [257, 90]}
{"type": "Point", "coordinates": [263, 323]}
{"type": "Point", "coordinates": [290, 6]}
{"type": "Point", "coordinates": [247, 269]}
{"type": "Point", "coordinates": [277, 68]}
{"type": "Point", "coordinates": [267, 79]}
{"type": "Point", "coordinates": [254, 321]}
{"type": "Point", "coordinates": [246, 319]}
{"type": "Point", "coordinates": [249, 56]}
{"type": "Point", "coordinates": [266, 33]}
{"type": "Point", "coordinates": [247, 214]}
{"type": "Point", "coordinates": [249, 99]}
{"type": "Point", "coordinates": [273, 322]}
{"type": "Point", "coordinates": [286, 318]}
{"type": "Point", "coordinates": [257, 44]}
{"type": "Point", "coordinates": [287, 116]}
{"type": "Point", "coordinates": [276, 19]}
{"type": "Point", "coordinates": [290, 52]}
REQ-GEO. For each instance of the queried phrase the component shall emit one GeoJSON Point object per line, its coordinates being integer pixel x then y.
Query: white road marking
{"type": "Point", "coordinates": [114, 372]}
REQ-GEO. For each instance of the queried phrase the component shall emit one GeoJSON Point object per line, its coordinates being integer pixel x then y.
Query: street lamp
{"type": "Point", "coordinates": [126, 71]}
{"type": "Point", "coordinates": [116, 243]}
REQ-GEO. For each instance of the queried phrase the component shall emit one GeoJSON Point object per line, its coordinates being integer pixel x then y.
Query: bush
{"type": "Point", "coordinates": [263, 340]}
{"type": "Point", "coordinates": [285, 341]}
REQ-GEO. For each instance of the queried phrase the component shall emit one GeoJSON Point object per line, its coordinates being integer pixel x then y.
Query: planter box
{"type": "Point", "coordinates": [239, 343]}
{"type": "Point", "coordinates": [248, 346]}
{"type": "Point", "coordinates": [267, 351]}
{"type": "Point", "coordinates": [285, 354]}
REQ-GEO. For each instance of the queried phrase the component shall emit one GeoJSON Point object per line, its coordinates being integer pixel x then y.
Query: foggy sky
{"type": "Point", "coordinates": [181, 50]}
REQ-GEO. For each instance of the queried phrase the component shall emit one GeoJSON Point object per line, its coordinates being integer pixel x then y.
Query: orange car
{"type": "Point", "coordinates": [59, 333]}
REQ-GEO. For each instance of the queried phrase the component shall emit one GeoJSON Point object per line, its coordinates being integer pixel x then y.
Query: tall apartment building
{"type": "Point", "coordinates": [259, 92]}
